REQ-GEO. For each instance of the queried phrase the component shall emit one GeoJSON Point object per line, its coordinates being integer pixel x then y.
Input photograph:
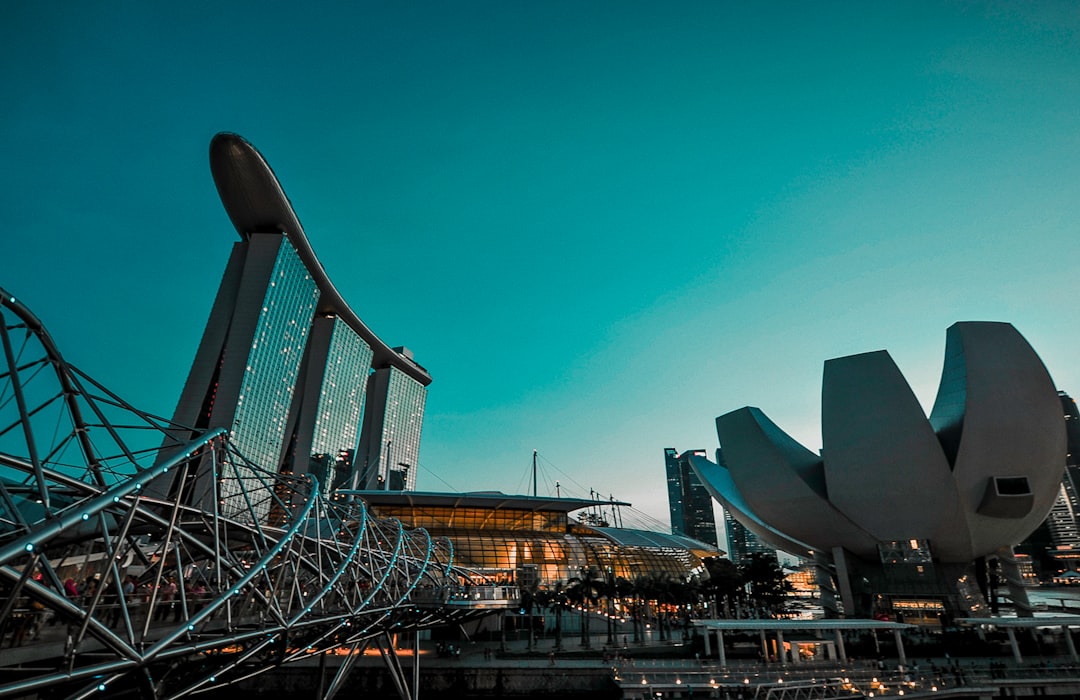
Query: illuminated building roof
{"type": "Point", "coordinates": [645, 538]}
{"type": "Point", "coordinates": [533, 538]}
{"type": "Point", "coordinates": [476, 499]}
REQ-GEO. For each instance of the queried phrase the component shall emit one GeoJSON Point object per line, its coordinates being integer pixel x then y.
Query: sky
{"type": "Point", "coordinates": [599, 225]}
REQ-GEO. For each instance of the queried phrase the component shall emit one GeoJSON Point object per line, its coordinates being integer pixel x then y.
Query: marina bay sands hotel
{"type": "Point", "coordinates": [284, 363]}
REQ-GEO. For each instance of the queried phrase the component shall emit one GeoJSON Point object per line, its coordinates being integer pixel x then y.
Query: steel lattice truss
{"type": "Point", "coordinates": [91, 488]}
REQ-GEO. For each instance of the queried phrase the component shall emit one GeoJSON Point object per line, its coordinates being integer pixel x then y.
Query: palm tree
{"type": "Point", "coordinates": [591, 585]}
{"type": "Point", "coordinates": [528, 600]}
{"type": "Point", "coordinates": [575, 593]}
{"type": "Point", "coordinates": [607, 590]}
{"type": "Point", "coordinates": [625, 589]}
{"type": "Point", "coordinates": [554, 599]}
{"type": "Point", "coordinates": [765, 579]}
{"type": "Point", "coordinates": [643, 592]}
{"type": "Point", "coordinates": [724, 584]}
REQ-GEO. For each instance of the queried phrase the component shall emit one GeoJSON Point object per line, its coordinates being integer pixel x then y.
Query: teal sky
{"type": "Point", "coordinates": [598, 224]}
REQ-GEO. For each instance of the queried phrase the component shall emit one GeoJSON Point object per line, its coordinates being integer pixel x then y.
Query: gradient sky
{"type": "Point", "coordinates": [599, 225]}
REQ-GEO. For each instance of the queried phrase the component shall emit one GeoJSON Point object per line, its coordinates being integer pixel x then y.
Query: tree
{"type": "Point", "coordinates": [583, 591]}
{"type": "Point", "coordinates": [529, 599]}
{"type": "Point", "coordinates": [725, 584]}
{"type": "Point", "coordinates": [765, 579]}
{"type": "Point", "coordinates": [554, 599]}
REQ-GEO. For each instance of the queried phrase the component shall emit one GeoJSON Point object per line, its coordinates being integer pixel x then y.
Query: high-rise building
{"type": "Point", "coordinates": [690, 504]}
{"type": "Point", "coordinates": [741, 543]}
{"type": "Point", "coordinates": [1063, 519]}
{"type": "Point", "coordinates": [390, 445]}
{"type": "Point", "coordinates": [301, 384]}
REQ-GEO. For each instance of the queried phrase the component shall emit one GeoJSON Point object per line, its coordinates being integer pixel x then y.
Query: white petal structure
{"type": "Point", "coordinates": [981, 473]}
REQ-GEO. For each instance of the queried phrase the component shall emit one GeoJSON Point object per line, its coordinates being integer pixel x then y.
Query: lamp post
{"type": "Point", "coordinates": [610, 606]}
{"type": "Point", "coordinates": [384, 477]}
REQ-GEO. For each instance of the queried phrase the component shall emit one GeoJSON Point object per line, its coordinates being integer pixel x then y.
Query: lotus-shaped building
{"type": "Point", "coordinates": [892, 487]}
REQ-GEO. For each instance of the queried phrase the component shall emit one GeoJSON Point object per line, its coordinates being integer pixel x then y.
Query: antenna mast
{"type": "Point", "coordinates": [534, 473]}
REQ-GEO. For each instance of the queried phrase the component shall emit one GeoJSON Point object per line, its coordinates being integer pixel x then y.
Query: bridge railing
{"type": "Point", "coordinates": [236, 565]}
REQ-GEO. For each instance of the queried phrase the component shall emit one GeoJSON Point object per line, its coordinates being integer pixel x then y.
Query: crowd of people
{"type": "Point", "coordinates": [170, 602]}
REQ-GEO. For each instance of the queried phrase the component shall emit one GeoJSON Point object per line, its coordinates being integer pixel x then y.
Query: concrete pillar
{"type": "Point", "coordinates": [823, 578]}
{"type": "Point", "coordinates": [843, 581]}
{"type": "Point", "coordinates": [840, 647]}
{"type": "Point", "coordinates": [720, 648]}
{"type": "Point", "coordinates": [900, 647]}
{"type": "Point", "coordinates": [708, 641]}
{"type": "Point", "coordinates": [416, 665]}
{"type": "Point", "coordinates": [1015, 582]}
{"type": "Point", "coordinates": [764, 647]}
{"type": "Point", "coordinates": [1014, 645]}
{"type": "Point", "coordinates": [780, 647]}
{"type": "Point", "coordinates": [1069, 642]}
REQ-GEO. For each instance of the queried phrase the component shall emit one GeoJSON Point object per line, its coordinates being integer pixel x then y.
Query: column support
{"type": "Point", "coordinates": [900, 647]}
{"type": "Point", "coordinates": [416, 665]}
{"type": "Point", "coordinates": [1069, 642]}
{"type": "Point", "coordinates": [844, 582]}
{"type": "Point", "coordinates": [1015, 647]}
{"type": "Point", "coordinates": [720, 648]}
{"type": "Point", "coordinates": [840, 647]}
{"type": "Point", "coordinates": [780, 647]}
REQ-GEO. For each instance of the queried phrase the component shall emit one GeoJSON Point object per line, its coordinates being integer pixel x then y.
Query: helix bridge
{"type": "Point", "coordinates": [144, 558]}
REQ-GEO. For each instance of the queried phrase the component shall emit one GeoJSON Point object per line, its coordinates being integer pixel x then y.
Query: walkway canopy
{"type": "Point", "coordinates": [1010, 624]}
{"type": "Point", "coordinates": [779, 627]}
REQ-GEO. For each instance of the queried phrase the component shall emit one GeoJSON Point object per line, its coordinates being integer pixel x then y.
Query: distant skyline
{"type": "Point", "coordinates": [598, 225]}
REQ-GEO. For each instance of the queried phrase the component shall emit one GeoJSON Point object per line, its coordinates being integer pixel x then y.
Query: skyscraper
{"type": "Point", "coordinates": [390, 445]}
{"type": "Point", "coordinates": [1063, 519]}
{"type": "Point", "coordinates": [302, 385]}
{"type": "Point", "coordinates": [690, 504]}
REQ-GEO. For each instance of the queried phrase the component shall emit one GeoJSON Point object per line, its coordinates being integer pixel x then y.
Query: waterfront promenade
{"type": "Point", "coordinates": [669, 669]}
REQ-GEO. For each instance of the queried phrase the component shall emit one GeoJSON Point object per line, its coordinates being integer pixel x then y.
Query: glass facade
{"type": "Point", "coordinates": [690, 503]}
{"type": "Point", "coordinates": [341, 407]}
{"type": "Point", "coordinates": [537, 547]}
{"type": "Point", "coordinates": [273, 363]}
{"type": "Point", "coordinates": [742, 543]}
{"type": "Point", "coordinates": [402, 423]}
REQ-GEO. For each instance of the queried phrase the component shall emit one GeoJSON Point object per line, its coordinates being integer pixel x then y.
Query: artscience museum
{"type": "Point", "coordinates": [904, 514]}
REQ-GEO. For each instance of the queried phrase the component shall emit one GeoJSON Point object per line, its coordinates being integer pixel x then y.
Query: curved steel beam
{"type": "Point", "coordinates": [256, 203]}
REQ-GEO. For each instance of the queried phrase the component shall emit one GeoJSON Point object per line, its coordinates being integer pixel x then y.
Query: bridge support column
{"type": "Point", "coordinates": [900, 647]}
{"type": "Point", "coordinates": [1012, 643]}
{"type": "Point", "coordinates": [843, 582]}
{"type": "Point", "coordinates": [708, 642]}
{"type": "Point", "coordinates": [840, 647]}
{"type": "Point", "coordinates": [780, 648]}
{"type": "Point", "coordinates": [720, 648]}
{"type": "Point", "coordinates": [1069, 642]}
{"type": "Point", "coordinates": [393, 665]}
{"type": "Point", "coordinates": [416, 665]}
